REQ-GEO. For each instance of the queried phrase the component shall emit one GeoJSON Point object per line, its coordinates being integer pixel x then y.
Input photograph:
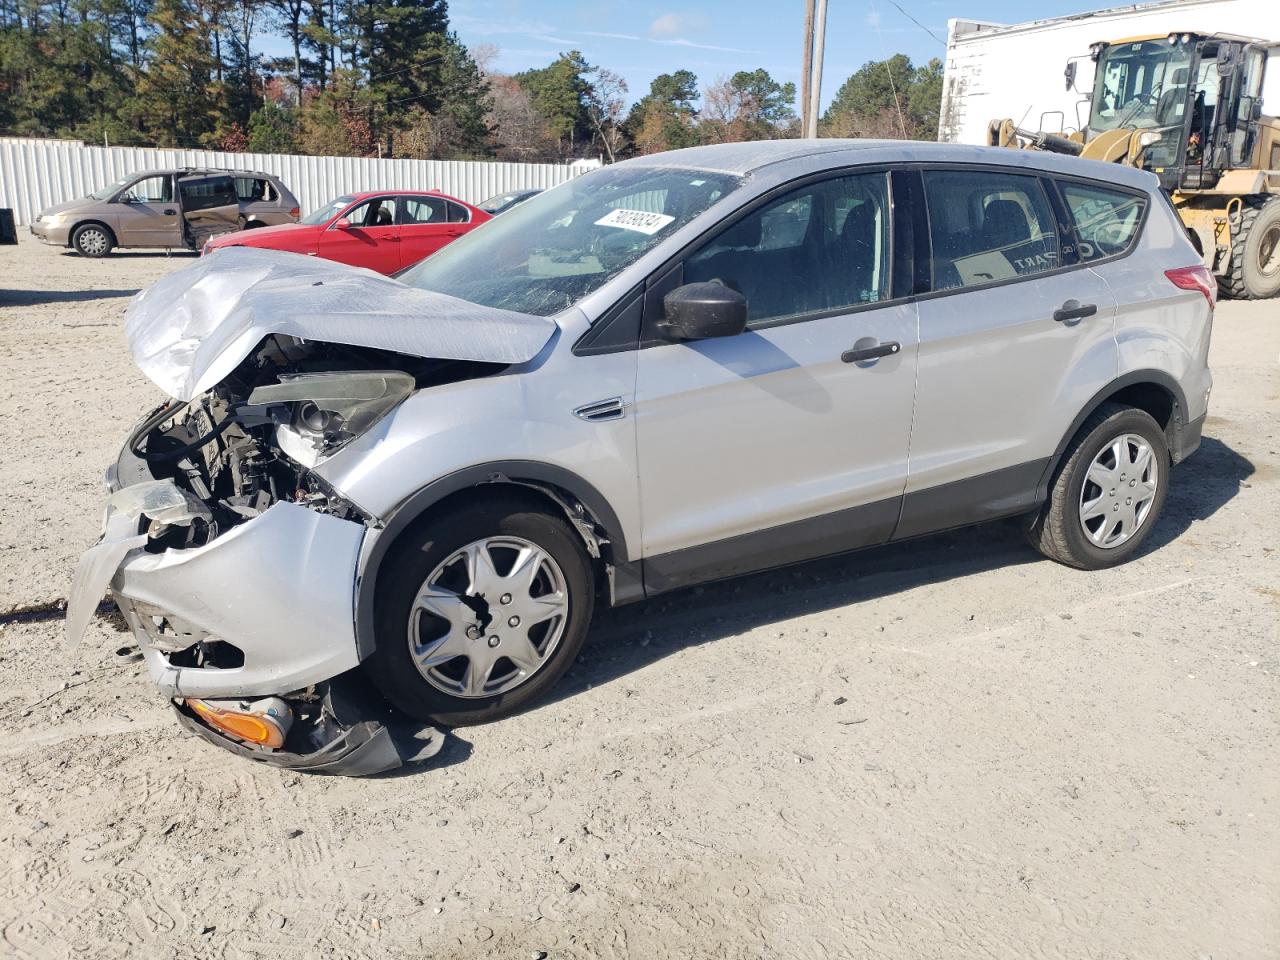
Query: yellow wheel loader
{"type": "Point", "coordinates": [1188, 107]}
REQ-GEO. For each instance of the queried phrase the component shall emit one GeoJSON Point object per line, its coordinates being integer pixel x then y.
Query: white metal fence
{"type": "Point", "coordinates": [37, 173]}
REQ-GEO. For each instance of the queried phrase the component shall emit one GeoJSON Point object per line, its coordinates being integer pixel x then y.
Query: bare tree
{"type": "Point", "coordinates": [605, 104]}
{"type": "Point", "coordinates": [520, 132]}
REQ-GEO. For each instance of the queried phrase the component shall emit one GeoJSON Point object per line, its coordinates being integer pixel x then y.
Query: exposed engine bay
{"type": "Point", "coordinates": [250, 441]}
{"type": "Point", "coordinates": [191, 471]}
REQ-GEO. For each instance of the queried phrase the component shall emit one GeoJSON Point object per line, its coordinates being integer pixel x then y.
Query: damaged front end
{"type": "Point", "coordinates": [235, 565]}
{"type": "Point", "coordinates": [233, 562]}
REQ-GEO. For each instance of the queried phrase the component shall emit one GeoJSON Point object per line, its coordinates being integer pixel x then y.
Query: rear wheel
{"type": "Point", "coordinates": [1108, 493]}
{"type": "Point", "coordinates": [92, 240]}
{"type": "Point", "coordinates": [482, 611]}
{"type": "Point", "coordinates": [1255, 251]}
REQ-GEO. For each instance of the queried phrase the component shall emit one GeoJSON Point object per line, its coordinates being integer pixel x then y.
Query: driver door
{"type": "Point", "coordinates": [370, 240]}
{"type": "Point", "coordinates": [777, 444]}
{"type": "Point", "coordinates": [149, 214]}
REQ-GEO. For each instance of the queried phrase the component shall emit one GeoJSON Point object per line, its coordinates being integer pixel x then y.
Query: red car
{"type": "Point", "coordinates": [385, 231]}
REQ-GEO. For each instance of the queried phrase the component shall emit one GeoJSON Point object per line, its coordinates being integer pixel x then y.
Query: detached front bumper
{"type": "Point", "coordinates": [279, 588]}
{"type": "Point", "coordinates": [279, 591]}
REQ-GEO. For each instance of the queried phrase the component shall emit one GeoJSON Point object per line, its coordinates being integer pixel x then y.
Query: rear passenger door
{"type": "Point", "coordinates": [209, 205]}
{"type": "Point", "coordinates": [1015, 337]}
{"type": "Point", "coordinates": [781, 443]}
{"type": "Point", "coordinates": [424, 227]}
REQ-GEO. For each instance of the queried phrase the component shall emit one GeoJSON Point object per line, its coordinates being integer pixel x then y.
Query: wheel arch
{"type": "Point", "coordinates": [1152, 391]}
{"type": "Point", "coordinates": [560, 490]}
{"type": "Point", "coordinates": [92, 222]}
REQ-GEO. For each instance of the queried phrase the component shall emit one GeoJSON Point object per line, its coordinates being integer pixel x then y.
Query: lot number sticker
{"type": "Point", "coordinates": [638, 220]}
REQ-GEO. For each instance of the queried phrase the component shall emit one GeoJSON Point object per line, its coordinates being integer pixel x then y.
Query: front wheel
{"type": "Point", "coordinates": [482, 610]}
{"type": "Point", "coordinates": [1108, 493]}
{"type": "Point", "coordinates": [91, 240]}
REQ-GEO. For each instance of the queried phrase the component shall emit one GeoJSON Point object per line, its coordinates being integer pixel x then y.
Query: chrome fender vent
{"type": "Point", "coordinates": [612, 409]}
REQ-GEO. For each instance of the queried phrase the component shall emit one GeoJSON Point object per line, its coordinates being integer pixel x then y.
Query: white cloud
{"type": "Point", "coordinates": [672, 25]}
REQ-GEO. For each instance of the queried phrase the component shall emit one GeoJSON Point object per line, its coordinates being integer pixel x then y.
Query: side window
{"type": "Point", "coordinates": [252, 189]}
{"type": "Point", "coordinates": [378, 212]}
{"type": "Point", "coordinates": [822, 247]}
{"type": "Point", "coordinates": [987, 227]}
{"type": "Point", "coordinates": [1106, 221]}
{"type": "Point", "coordinates": [151, 190]}
{"type": "Point", "coordinates": [458, 213]}
{"type": "Point", "coordinates": [422, 210]}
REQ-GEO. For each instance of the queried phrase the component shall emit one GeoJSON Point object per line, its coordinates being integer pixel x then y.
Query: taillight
{"type": "Point", "coordinates": [1195, 278]}
{"type": "Point", "coordinates": [295, 212]}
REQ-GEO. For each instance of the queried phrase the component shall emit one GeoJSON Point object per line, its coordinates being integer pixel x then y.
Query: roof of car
{"type": "Point", "coordinates": [365, 194]}
{"type": "Point", "coordinates": [741, 159]}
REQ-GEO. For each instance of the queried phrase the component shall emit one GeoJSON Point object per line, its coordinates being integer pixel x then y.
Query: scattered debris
{"type": "Point", "coordinates": [839, 701]}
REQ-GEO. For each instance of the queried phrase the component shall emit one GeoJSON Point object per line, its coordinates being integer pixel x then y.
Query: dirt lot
{"type": "Point", "coordinates": [947, 749]}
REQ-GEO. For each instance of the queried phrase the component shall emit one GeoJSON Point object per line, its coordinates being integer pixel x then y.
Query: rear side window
{"type": "Point", "coordinates": [458, 213]}
{"type": "Point", "coordinates": [422, 210]}
{"type": "Point", "coordinates": [253, 189]}
{"type": "Point", "coordinates": [821, 248]}
{"type": "Point", "coordinates": [1106, 221]}
{"type": "Point", "coordinates": [986, 227]}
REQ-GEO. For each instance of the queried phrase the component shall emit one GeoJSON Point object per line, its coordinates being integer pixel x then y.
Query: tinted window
{"type": "Point", "coordinates": [151, 190]}
{"type": "Point", "coordinates": [458, 213]}
{"type": "Point", "coordinates": [207, 193]}
{"type": "Point", "coordinates": [1106, 220]}
{"type": "Point", "coordinates": [822, 247]}
{"type": "Point", "coordinates": [423, 210]}
{"type": "Point", "coordinates": [987, 227]}
{"type": "Point", "coordinates": [378, 212]}
{"type": "Point", "coordinates": [542, 256]}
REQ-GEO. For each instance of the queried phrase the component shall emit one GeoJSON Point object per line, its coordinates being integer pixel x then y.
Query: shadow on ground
{"type": "Point", "coordinates": [35, 298]}
{"type": "Point", "coordinates": [1201, 486]}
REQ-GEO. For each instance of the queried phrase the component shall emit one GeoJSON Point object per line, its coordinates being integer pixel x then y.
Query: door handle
{"type": "Point", "coordinates": [868, 348]}
{"type": "Point", "coordinates": [1074, 310]}
{"type": "Point", "coordinates": [170, 213]}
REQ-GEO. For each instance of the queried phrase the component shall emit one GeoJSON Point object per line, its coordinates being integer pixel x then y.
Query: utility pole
{"type": "Point", "coordinates": [806, 68]}
{"type": "Point", "coordinates": [815, 81]}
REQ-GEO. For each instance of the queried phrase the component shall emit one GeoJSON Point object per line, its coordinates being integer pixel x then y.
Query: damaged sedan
{"type": "Point", "coordinates": [672, 370]}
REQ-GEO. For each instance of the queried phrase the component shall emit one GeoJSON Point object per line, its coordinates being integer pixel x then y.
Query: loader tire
{"type": "Point", "coordinates": [1255, 252]}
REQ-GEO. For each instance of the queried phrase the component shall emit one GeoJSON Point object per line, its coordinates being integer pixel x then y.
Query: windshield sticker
{"type": "Point", "coordinates": [638, 220]}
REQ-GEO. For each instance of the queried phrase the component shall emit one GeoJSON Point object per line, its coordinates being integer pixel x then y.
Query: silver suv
{"type": "Point", "coordinates": [676, 369]}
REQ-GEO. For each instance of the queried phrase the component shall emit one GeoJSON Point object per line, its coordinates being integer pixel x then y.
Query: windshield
{"type": "Point", "coordinates": [111, 189]}
{"type": "Point", "coordinates": [1141, 84]}
{"type": "Point", "coordinates": [327, 212]}
{"type": "Point", "coordinates": [547, 253]}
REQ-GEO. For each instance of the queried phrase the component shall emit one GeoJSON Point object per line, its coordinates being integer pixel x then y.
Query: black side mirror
{"type": "Point", "coordinates": [699, 311]}
{"type": "Point", "coordinates": [1070, 74]}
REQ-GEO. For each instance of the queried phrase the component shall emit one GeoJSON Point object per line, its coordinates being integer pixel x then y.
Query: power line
{"type": "Point", "coordinates": [918, 23]}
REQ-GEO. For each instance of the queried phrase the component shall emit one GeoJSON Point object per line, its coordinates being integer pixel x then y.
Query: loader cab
{"type": "Point", "coordinates": [1193, 100]}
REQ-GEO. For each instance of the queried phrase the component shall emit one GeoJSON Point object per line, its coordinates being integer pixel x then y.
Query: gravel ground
{"type": "Point", "coordinates": [951, 748]}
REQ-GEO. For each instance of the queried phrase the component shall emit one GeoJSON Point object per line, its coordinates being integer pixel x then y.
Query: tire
{"type": "Point", "coordinates": [435, 554]}
{"type": "Point", "coordinates": [1060, 530]}
{"type": "Point", "coordinates": [92, 240]}
{"type": "Point", "coordinates": [1257, 239]}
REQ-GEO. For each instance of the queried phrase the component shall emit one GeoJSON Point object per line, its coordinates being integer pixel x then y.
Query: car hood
{"type": "Point", "coordinates": [191, 329]}
{"type": "Point", "coordinates": [66, 205]}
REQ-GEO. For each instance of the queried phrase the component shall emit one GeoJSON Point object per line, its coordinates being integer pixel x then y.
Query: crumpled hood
{"type": "Point", "coordinates": [191, 329]}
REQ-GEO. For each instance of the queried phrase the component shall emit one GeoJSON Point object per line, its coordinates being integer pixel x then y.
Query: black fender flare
{"type": "Point", "coordinates": [624, 576]}
{"type": "Point", "coordinates": [1159, 378]}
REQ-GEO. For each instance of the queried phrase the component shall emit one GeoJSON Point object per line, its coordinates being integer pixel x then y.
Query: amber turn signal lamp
{"type": "Point", "coordinates": [251, 727]}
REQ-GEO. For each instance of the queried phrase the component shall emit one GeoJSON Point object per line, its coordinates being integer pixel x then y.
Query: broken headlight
{"type": "Point", "coordinates": [323, 411]}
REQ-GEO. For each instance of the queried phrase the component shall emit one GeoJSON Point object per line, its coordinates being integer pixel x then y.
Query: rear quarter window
{"type": "Point", "coordinates": [1107, 222]}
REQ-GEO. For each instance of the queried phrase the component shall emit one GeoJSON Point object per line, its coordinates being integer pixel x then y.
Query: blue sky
{"type": "Point", "coordinates": [715, 38]}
